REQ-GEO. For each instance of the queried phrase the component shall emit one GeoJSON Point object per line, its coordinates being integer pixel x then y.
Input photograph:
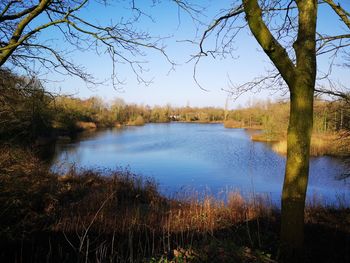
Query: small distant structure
{"type": "Point", "coordinates": [174, 117]}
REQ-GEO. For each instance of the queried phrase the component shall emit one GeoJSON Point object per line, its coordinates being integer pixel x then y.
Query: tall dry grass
{"type": "Point", "coordinates": [85, 125]}
{"type": "Point", "coordinates": [139, 121]}
{"type": "Point", "coordinates": [112, 215]}
{"type": "Point", "coordinates": [321, 144]}
{"type": "Point", "coordinates": [233, 124]}
{"type": "Point", "coordinates": [264, 137]}
{"type": "Point", "coordinates": [117, 216]}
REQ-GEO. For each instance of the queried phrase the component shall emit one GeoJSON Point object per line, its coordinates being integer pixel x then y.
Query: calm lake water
{"type": "Point", "coordinates": [200, 157]}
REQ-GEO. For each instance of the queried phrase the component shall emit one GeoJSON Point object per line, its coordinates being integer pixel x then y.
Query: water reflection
{"type": "Point", "coordinates": [201, 157]}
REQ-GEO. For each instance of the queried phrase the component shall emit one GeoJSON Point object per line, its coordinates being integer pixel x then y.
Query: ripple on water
{"type": "Point", "coordinates": [200, 156]}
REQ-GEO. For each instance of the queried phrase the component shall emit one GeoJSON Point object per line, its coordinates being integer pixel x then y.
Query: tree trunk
{"type": "Point", "coordinates": [300, 79]}
{"type": "Point", "coordinates": [297, 170]}
{"type": "Point", "coordinates": [299, 135]}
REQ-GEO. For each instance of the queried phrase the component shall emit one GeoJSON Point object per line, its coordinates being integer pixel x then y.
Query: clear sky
{"type": "Point", "coordinates": [178, 86]}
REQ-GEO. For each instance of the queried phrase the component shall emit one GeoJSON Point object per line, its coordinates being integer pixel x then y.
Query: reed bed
{"type": "Point", "coordinates": [116, 216]}
{"type": "Point", "coordinates": [321, 144]}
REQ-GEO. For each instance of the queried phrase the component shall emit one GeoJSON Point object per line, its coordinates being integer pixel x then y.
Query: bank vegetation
{"type": "Point", "coordinates": [330, 131]}
{"type": "Point", "coordinates": [29, 114]}
{"type": "Point", "coordinates": [116, 216]}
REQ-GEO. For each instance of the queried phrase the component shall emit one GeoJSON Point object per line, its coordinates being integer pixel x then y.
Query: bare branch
{"type": "Point", "coordinates": [16, 16]}
{"type": "Point", "coordinates": [270, 45]}
{"type": "Point", "coordinates": [341, 12]}
{"type": "Point", "coordinates": [22, 40]}
{"type": "Point", "coordinates": [233, 13]}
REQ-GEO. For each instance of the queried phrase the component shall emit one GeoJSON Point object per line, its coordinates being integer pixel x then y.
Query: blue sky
{"type": "Point", "coordinates": [178, 87]}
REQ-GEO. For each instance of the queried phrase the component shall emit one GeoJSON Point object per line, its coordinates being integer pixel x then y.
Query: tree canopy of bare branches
{"type": "Point", "coordinates": [281, 18]}
{"type": "Point", "coordinates": [25, 39]}
{"type": "Point", "coordinates": [287, 33]}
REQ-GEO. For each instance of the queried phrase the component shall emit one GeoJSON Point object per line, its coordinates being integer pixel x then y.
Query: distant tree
{"type": "Point", "coordinates": [117, 108]}
{"type": "Point", "coordinates": [286, 31]}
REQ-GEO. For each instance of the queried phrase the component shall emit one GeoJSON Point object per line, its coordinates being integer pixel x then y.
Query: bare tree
{"type": "Point", "coordinates": [286, 31]}
{"type": "Point", "coordinates": [24, 40]}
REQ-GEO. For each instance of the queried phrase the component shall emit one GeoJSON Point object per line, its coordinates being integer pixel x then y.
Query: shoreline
{"type": "Point", "coordinates": [332, 145]}
{"type": "Point", "coordinates": [129, 213]}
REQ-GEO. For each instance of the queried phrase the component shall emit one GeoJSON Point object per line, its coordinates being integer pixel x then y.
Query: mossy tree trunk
{"type": "Point", "coordinates": [300, 78]}
{"type": "Point", "coordinates": [296, 174]}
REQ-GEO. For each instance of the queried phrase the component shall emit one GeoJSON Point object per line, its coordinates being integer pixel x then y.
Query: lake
{"type": "Point", "coordinates": [200, 157]}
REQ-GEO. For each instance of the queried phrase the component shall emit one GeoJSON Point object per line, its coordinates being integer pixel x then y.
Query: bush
{"type": "Point", "coordinates": [139, 121]}
{"type": "Point", "coordinates": [232, 124]}
{"type": "Point", "coordinates": [28, 193]}
{"type": "Point", "coordinates": [24, 108]}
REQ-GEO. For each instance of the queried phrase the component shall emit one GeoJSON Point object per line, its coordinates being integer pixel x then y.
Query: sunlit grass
{"type": "Point", "coordinates": [264, 137]}
{"type": "Point", "coordinates": [321, 144]}
{"type": "Point", "coordinates": [232, 124]}
{"type": "Point", "coordinates": [118, 216]}
{"type": "Point", "coordinates": [85, 125]}
{"type": "Point", "coordinates": [113, 213]}
{"type": "Point", "coordinates": [139, 121]}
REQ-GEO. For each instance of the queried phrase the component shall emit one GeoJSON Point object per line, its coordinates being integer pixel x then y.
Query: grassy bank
{"type": "Point", "coordinates": [138, 121]}
{"type": "Point", "coordinates": [330, 125]}
{"type": "Point", "coordinates": [29, 115]}
{"type": "Point", "coordinates": [116, 216]}
{"type": "Point", "coordinates": [322, 144]}
{"type": "Point", "coordinates": [331, 144]}
{"type": "Point", "coordinates": [233, 124]}
{"type": "Point", "coordinates": [265, 137]}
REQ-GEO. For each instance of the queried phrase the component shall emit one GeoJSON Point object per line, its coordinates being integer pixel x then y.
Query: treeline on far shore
{"type": "Point", "coordinates": [29, 114]}
{"type": "Point", "coordinates": [117, 216]}
{"type": "Point", "coordinates": [331, 126]}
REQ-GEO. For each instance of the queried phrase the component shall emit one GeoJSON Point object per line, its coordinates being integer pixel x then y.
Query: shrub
{"type": "Point", "coordinates": [232, 124]}
{"type": "Point", "coordinates": [139, 121]}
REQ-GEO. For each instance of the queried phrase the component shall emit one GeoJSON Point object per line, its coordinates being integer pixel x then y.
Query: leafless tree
{"type": "Point", "coordinates": [25, 29]}
{"type": "Point", "coordinates": [288, 34]}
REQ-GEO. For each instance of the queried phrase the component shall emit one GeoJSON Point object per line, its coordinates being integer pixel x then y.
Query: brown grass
{"type": "Point", "coordinates": [139, 121]}
{"type": "Point", "coordinates": [263, 137]}
{"type": "Point", "coordinates": [118, 125]}
{"type": "Point", "coordinates": [114, 212]}
{"type": "Point", "coordinates": [142, 207]}
{"type": "Point", "coordinates": [117, 216]}
{"type": "Point", "coordinates": [321, 144]}
{"type": "Point", "coordinates": [232, 124]}
{"type": "Point", "coordinates": [85, 125]}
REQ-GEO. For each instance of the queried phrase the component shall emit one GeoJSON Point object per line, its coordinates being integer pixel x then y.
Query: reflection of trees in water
{"type": "Point", "coordinates": [88, 134]}
{"type": "Point", "coordinates": [66, 150]}
{"type": "Point", "coordinates": [251, 132]}
{"type": "Point", "coordinates": [345, 163]}
{"type": "Point", "coordinates": [91, 134]}
{"type": "Point", "coordinates": [60, 160]}
{"type": "Point", "coordinates": [47, 152]}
